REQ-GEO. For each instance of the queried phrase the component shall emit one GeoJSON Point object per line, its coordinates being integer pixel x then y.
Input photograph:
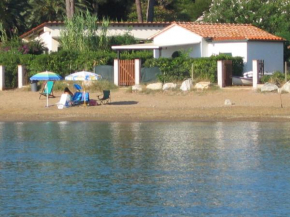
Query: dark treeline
{"type": "Point", "coordinates": [20, 16]}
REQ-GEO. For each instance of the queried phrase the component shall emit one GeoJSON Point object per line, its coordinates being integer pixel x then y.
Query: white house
{"type": "Point", "coordinates": [205, 40]}
{"type": "Point", "coordinates": [49, 32]}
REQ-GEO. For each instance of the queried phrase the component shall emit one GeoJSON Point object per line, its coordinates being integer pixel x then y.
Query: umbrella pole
{"type": "Point", "coordinates": [84, 96]}
{"type": "Point", "coordinates": [46, 95]}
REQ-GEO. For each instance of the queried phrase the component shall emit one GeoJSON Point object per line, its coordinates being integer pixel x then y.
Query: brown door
{"type": "Point", "coordinates": [126, 72]}
{"type": "Point", "coordinates": [227, 72]}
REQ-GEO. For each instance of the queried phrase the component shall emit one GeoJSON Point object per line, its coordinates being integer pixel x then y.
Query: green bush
{"type": "Point", "coordinates": [10, 62]}
{"type": "Point", "coordinates": [277, 78]}
{"type": "Point", "coordinates": [265, 79]}
{"type": "Point", "coordinates": [180, 68]}
{"type": "Point", "coordinates": [67, 62]}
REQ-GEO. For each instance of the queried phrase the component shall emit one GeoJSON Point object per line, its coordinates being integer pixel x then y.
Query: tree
{"type": "Point", "coordinates": [188, 10]}
{"type": "Point", "coordinates": [139, 10]}
{"type": "Point", "coordinates": [70, 8]}
{"type": "Point", "coordinates": [150, 11]}
{"type": "Point", "coordinates": [12, 15]}
{"type": "Point", "coordinates": [268, 15]}
{"type": "Point", "coordinates": [171, 10]}
{"type": "Point", "coordinates": [45, 10]}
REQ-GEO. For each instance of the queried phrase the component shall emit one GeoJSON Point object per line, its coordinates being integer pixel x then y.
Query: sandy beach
{"type": "Point", "coordinates": [209, 105]}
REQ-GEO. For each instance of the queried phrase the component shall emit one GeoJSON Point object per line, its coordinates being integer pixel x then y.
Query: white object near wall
{"type": "Point", "coordinates": [137, 71]}
{"type": "Point", "coordinates": [220, 74]}
{"type": "Point", "coordinates": [255, 74]}
{"type": "Point", "coordinates": [156, 53]}
{"type": "Point", "coordinates": [20, 76]}
{"type": "Point", "coordinates": [2, 77]}
{"type": "Point", "coordinates": [116, 72]}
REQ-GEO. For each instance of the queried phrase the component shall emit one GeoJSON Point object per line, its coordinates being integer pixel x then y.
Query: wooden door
{"type": "Point", "coordinates": [227, 72]}
{"type": "Point", "coordinates": [126, 72]}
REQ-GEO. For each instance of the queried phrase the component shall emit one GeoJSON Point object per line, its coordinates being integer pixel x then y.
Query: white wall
{"type": "Point", "coordinates": [139, 32]}
{"type": "Point", "coordinates": [194, 50]}
{"type": "Point", "coordinates": [204, 47]}
{"type": "Point", "coordinates": [235, 48]}
{"type": "Point", "coordinates": [177, 35]}
{"type": "Point", "coordinates": [271, 52]}
{"type": "Point", "coordinates": [47, 40]}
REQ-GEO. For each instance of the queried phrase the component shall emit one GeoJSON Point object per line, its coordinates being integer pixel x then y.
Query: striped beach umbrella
{"type": "Point", "coordinates": [83, 76]}
{"type": "Point", "coordinates": [46, 76]}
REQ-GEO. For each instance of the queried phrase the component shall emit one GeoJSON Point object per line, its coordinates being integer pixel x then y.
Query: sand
{"type": "Point", "coordinates": [209, 105]}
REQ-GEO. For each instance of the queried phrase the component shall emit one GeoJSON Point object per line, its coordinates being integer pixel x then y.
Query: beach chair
{"type": "Point", "coordinates": [47, 89]}
{"type": "Point", "coordinates": [64, 101]}
{"type": "Point", "coordinates": [80, 98]}
{"type": "Point", "coordinates": [78, 87]}
{"type": "Point", "coordinates": [105, 98]}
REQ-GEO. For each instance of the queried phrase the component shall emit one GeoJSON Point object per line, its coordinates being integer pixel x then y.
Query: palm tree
{"type": "Point", "coordinates": [45, 10]}
{"type": "Point", "coordinates": [12, 15]}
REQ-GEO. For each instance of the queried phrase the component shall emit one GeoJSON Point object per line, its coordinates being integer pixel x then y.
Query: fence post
{"type": "Point", "coordinates": [20, 76]}
{"type": "Point", "coordinates": [116, 72]}
{"type": "Point", "coordinates": [2, 77]}
{"type": "Point", "coordinates": [286, 71]}
{"type": "Point", "coordinates": [137, 71]}
{"type": "Point", "coordinates": [220, 76]}
{"type": "Point", "coordinates": [255, 74]}
{"type": "Point", "coordinates": [156, 53]}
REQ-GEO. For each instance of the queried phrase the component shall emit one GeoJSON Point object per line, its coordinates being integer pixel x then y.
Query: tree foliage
{"type": "Point", "coordinates": [169, 10]}
{"type": "Point", "coordinates": [272, 16]}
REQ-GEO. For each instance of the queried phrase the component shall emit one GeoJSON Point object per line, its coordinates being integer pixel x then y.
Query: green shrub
{"type": "Point", "coordinates": [277, 78]}
{"type": "Point", "coordinates": [180, 68]}
{"type": "Point", "coordinates": [265, 79]}
{"type": "Point", "coordinates": [10, 61]}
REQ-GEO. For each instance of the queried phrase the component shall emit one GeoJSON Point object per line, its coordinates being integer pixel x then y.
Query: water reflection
{"type": "Point", "coordinates": [141, 169]}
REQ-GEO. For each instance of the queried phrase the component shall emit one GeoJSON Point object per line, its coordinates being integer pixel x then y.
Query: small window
{"type": "Point", "coordinates": [176, 54]}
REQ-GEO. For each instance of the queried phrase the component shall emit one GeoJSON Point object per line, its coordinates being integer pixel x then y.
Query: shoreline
{"type": "Point", "coordinates": [171, 106]}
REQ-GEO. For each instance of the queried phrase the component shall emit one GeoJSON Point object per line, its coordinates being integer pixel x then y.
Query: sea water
{"type": "Point", "coordinates": [144, 169]}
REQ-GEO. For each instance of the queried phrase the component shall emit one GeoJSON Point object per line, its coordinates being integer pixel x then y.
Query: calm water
{"type": "Point", "coordinates": [145, 169]}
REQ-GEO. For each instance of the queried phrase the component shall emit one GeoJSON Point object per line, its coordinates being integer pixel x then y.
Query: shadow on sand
{"type": "Point", "coordinates": [123, 103]}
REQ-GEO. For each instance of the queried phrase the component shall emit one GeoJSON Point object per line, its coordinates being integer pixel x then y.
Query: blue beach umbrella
{"type": "Point", "coordinates": [46, 76]}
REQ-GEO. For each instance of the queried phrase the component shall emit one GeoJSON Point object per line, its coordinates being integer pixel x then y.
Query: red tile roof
{"type": "Point", "coordinates": [60, 23]}
{"type": "Point", "coordinates": [221, 32]}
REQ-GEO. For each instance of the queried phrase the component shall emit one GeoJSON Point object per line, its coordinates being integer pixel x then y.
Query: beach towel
{"type": "Point", "coordinates": [64, 101]}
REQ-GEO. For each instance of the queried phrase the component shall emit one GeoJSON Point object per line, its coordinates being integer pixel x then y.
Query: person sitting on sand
{"type": "Point", "coordinates": [69, 93]}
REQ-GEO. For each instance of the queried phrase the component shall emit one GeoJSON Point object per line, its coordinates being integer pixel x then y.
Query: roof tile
{"type": "Point", "coordinates": [219, 32]}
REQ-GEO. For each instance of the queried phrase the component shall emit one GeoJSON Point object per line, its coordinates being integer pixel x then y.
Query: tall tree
{"type": "Point", "coordinates": [139, 10]}
{"type": "Point", "coordinates": [13, 15]}
{"type": "Point", "coordinates": [70, 8]}
{"type": "Point", "coordinates": [150, 11]}
{"type": "Point", "coordinates": [45, 10]}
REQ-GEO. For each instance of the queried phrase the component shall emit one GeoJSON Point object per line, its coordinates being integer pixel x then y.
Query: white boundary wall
{"type": "Point", "coordinates": [2, 77]}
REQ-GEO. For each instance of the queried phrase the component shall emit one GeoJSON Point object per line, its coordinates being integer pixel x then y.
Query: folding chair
{"type": "Point", "coordinates": [106, 97]}
{"type": "Point", "coordinates": [47, 89]}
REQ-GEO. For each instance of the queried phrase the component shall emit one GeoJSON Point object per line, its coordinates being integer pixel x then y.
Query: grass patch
{"type": "Point", "coordinates": [93, 86]}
